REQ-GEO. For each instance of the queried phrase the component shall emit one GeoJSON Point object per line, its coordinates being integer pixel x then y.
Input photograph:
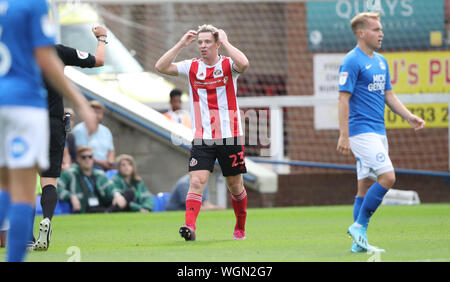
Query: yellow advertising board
{"type": "Point", "coordinates": [419, 72]}
{"type": "Point", "coordinates": [411, 73]}
{"type": "Point", "coordinates": [435, 116]}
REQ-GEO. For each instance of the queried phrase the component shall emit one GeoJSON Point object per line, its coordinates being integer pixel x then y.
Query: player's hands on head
{"type": "Point", "coordinates": [189, 37]}
{"type": "Point", "coordinates": [99, 31]}
{"type": "Point", "coordinates": [343, 145]}
{"type": "Point", "coordinates": [222, 36]}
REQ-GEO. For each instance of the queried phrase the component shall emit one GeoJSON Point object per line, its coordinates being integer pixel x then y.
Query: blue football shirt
{"type": "Point", "coordinates": [366, 79]}
{"type": "Point", "coordinates": [24, 27]}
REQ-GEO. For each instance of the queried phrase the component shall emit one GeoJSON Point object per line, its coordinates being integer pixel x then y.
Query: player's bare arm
{"type": "Point", "coordinates": [100, 53]}
{"type": "Point", "coordinates": [165, 64]}
{"type": "Point", "coordinates": [53, 70]}
{"type": "Point", "coordinates": [240, 61]}
{"type": "Point", "coordinates": [397, 107]}
{"type": "Point", "coordinates": [343, 145]}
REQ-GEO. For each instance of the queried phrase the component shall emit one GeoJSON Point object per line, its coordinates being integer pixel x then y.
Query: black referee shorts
{"type": "Point", "coordinates": [229, 152]}
{"type": "Point", "coordinates": [57, 144]}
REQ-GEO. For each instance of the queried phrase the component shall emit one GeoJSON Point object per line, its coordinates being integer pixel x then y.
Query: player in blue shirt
{"type": "Point", "coordinates": [364, 89]}
{"type": "Point", "coordinates": [26, 48]}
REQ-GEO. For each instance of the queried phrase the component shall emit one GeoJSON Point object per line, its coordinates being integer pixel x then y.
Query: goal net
{"type": "Point", "coordinates": [295, 49]}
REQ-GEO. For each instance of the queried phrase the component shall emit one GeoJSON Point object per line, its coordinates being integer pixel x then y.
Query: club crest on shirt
{"type": "Point", "coordinates": [382, 66]}
{"type": "Point", "coordinates": [218, 72]}
{"type": "Point", "coordinates": [343, 78]}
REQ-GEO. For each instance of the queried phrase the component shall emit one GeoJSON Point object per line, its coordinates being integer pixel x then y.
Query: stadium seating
{"type": "Point", "coordinates": [160, 201]}
{"type": "Point", "coordinates": [61, 207]}
{"type": "Point", "coordinates": [111, 173]}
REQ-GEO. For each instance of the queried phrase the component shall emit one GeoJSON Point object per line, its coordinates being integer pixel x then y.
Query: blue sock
{"type": "Point", "coordinates": [4, 205]}
{"type": "Point", "coordinates": [371, 202]}
{"type": "Point", "coordinates": [20, 216]}
{"type": "Point", "coordinates": [357, 206]}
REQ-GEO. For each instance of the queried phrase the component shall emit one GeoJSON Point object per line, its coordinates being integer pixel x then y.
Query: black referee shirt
{"type": "Point", "coordinates": [70, 57]}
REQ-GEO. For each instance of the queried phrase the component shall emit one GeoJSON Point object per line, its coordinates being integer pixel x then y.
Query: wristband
{"type": "Point", "coordinates": [103, 39]}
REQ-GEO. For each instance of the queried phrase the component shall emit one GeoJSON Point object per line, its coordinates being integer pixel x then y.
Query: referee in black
{"type": "Point", "coordinates": [58, 121]}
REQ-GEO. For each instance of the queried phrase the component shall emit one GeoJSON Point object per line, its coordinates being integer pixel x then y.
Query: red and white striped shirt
{"type": "Point", "coordinates": [214, 108]}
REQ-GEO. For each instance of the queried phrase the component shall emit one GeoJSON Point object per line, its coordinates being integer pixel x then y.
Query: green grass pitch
{"type": "Point", "coordinates": [407, 233]}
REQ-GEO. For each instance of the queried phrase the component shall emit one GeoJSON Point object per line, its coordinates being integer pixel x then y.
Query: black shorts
{"type": "Point", "coordinates": [229, 152]}
{"type": "Point", "coordinates": [57, 144]}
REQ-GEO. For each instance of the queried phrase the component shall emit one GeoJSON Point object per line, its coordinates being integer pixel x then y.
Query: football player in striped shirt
{"type": "Point", "coordinates": [216, 121]}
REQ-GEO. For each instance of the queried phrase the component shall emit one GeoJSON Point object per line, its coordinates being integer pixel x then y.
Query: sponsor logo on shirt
{"type": "Point", "coordinates": [211, 83]}
{"type": "Point", "coordinates": [378, 83]}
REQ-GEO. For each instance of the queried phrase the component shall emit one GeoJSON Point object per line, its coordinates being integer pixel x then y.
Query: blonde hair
{"type": "Point", "coordinates": [360, 20]}
{"type": "Point", "coordinates": [209, 28]}
{"type": "Point", "coordinates": [130, 159]}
